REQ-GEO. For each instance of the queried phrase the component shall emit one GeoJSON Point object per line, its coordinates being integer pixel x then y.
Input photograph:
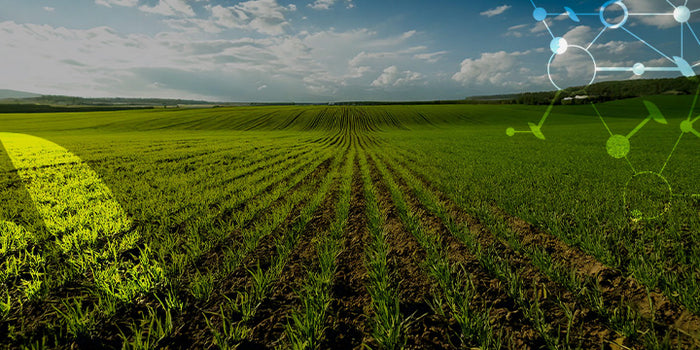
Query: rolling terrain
{"type": "Point", "coordinates": [347, 227]}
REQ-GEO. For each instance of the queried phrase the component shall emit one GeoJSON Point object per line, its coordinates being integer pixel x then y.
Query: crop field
{"type": "Point", "coordinates": [348, 227]}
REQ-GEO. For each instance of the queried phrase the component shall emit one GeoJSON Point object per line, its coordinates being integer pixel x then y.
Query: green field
{"type": "Point", "coordinates": [346, 227]}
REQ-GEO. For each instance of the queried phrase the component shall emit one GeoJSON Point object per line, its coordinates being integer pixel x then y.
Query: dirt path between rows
{"type": "Point", "coordinates": [668, 316]}
{"type": "Point", "coordinates": [348, 314]}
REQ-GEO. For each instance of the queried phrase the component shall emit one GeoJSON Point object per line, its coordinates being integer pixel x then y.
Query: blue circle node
{"type": "Point", "coordinates": [539, 14]}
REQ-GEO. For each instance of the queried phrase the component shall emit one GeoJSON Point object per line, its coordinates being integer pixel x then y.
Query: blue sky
{"type": "Point", "coordinates": [324, 50]}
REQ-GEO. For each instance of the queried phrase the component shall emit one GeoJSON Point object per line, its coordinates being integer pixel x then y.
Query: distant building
{"type": "Point", "coordinates": [575, 99]}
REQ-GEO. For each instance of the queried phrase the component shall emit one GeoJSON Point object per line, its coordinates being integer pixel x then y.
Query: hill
{"type": "Point", "coordinates": [13, 94]}
{"type": "Point", "coordinates": [599, 92]}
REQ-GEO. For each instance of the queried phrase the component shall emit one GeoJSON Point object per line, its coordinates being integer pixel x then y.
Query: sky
{"type": "Point", "coordinates": [330, 50]}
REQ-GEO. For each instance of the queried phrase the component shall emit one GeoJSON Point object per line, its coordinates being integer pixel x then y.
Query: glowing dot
{"type": "Point", "coordinates": [559, 45]}
{"type": "Point", "coordinates": [510, 132]}
{"type": "Point", "coordinates": [638, 69]}
{"type": "Point", "coordinates": [686, 126]}
{"type": "Point", "coordinates": [540, 14]}
{"type": "Point", "coordinates": [618, 146]}
{"type": "Point", "coordinates": [681, 14]}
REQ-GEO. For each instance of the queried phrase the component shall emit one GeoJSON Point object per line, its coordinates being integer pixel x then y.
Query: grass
{"type": "Point", "coordinates": [127, 223]}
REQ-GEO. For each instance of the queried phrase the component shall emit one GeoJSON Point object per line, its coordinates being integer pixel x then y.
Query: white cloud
{"type": "Point", "coordinates": [327, 4]}
{"type": "Point", "coordinates": [516, 31]}
{"type": "Point", "coordinates": [501, 69]}
{"type": "Point", "coordinates": [109, 3]}
{"type": "Point", "coordinates": [49, 9]}
{"type": "Point", "coordinates": [264, 16]}
{"type": "Point", "coordinates": [432, 57]}
{"type": "Point", "coordinates": [652, 6]}
{"type": "Point", "coordinates": [322, 4]}
{"type": "Point", "coordinates": [170, 8]}
{"type": "Point", "coordinates": [303, 66]}
{"type": "Point", "coordinates": [496, 11]}
{"type": "Point", "coordinates": [392, 77]}
{"type": "Point", "coordinates": [580, 35]}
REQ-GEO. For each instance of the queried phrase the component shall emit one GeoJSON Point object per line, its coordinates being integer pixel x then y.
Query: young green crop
{"type": "Point", "coordinates": [200, 186]}
{"type": "Point", "coordinates": [306, 326]}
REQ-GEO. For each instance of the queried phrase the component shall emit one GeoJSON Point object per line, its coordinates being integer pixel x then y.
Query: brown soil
{"type": "Point", "coordinates": [615, 286]}
{"type": "Point", "coordinates": [588, 331]}
{"type": "Point", "coordinates": [195, 330]}
{"type": "Point", "coordinates": [272, 315]}
{"type": "Point", "coordinates": [351, 304]}
{"type": "Point", "coordinates": [491, 295]}
{"type": "Point", "coordinates": [191, 329]}
{"type": "Point", "coordinates": [427, 330]}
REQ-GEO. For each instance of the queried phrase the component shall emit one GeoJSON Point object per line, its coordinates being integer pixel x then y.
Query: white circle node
{"type": "Point", "coordinates": [625, 14]}
{"type": "Point", "coordinates": [559, 46]}
{"type": "Point", "coordinates": [638, 69]}
{"type": "Point", "coordinates": [551, 59]}
{"type": "Point", "coordinates": [681, 14]}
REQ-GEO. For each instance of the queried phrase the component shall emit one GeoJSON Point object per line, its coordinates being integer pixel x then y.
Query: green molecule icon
{"type": "Point", "coordinates": [687, 127]}
{"type": "Point", "coordinates": [647, 196]}
{"type": "Point", "coordinates": [618, 146]}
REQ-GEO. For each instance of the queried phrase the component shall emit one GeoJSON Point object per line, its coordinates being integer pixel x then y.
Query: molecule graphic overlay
{"type": "Point", "coordinates": [655, 199]}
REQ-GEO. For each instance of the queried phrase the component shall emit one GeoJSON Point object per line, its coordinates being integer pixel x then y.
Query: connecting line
{"type": "Point", "coordinates": [634, 171]}
{"type": "Point", "coordinates": [690, 115]}
{"type": "Point", "coordinates": [536, 129]}
{"type": "Point", "coordinates": [549, 110]}
{"type": "Point", "coordinates": [695, 103]}
{"type": "Point", "coordinates": [672, 152]}
{"type": "Point", "coordinates": [650, 14]}
{"type": "Point", "coordinates": [670, 3]}
{"type": "Point", "coordinates": [596, 38]}
{"type": "Point", "coordinates": [647, 44]}
{"type": "Point", "coordinates": [577, 14]}
{"type": "Point", "coordinates": [549, 30]}
{"type": "Point", "coordinates": [646, 69]}
{"type": "Point", "coordinates": [533, 3]}
{"type": "Point", "coordinates": [693, 32]}
{"type": "Point", "coordinates": [601, 119]}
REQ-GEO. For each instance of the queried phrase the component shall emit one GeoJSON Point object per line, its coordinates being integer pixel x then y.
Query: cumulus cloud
{"type": "Point", "coordinates": [432, 57]}
{"type": "Point", "coordinates": [263, 16]}
{"type": "Point", "coordinates": [169, 8]}
{"type": "Point", "coordinates": [304, 66]}
{"type": "Point", "coordinates": [495, 68]}
{"type": "Point", "coordinates": [109, 3]}
{"type": "Point", "coordinates": [327, 4]}
{"type": "Point", "coordinates": [322, 4]}
{"type": "Point", "coordinates": [652, 6]}
{"type": "Point", "coordinates": [496, 11]}
{"type": "Point", "coordinates": [517, 30]}
{"type": "Point", "coordinates": [393, 77]}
